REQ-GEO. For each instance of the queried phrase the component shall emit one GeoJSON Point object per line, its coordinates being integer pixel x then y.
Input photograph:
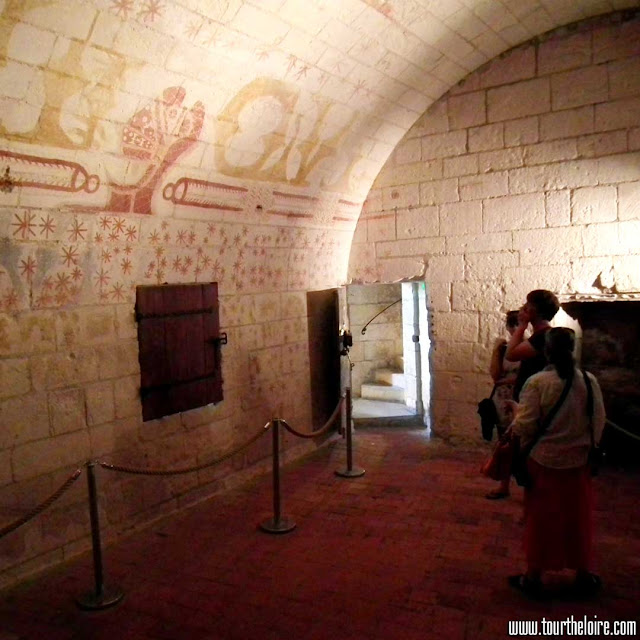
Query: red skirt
{"type": "Point", "coordinates": [558, 518]}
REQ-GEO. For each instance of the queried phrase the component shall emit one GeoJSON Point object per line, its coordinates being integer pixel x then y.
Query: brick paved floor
{"type": "Point", "coordinates": [410, 550]}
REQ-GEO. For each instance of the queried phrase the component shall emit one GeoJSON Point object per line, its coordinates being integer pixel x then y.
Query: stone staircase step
{"type": "Point", "coordinates": [377, 413]}
{"type": "Point", "coordinates": [388, 421]}
{"type": "Point", "coordinates": [390, 377]}
{"type": "Point", "coordinates": [386, 392]}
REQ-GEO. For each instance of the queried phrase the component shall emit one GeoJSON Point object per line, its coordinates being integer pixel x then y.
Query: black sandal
{"type": "Point", "coordinates": [588, 585]}
{"type": "Point", "coordinates": [530, 588]}
{"type": "Point", "coordinates": [496, 494]}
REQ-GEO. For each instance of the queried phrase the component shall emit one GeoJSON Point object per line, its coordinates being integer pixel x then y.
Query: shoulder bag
{"type": "Point", "coordinates": [488, 415]}
{"type": "Point", "coordinates": [498, 466]}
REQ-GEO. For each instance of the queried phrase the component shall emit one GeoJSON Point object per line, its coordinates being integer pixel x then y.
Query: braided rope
{"type": "Point", "coordinates": [42, 506]}
{"type": "Point", "coordinates": [319, 432]}
{"type": "Point", "coordinates": [619, 428]}
{"type": "Point", "coordinates": [175, 472]}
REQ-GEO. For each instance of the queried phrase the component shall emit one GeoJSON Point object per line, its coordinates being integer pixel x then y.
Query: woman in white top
{"type": "Point", "coordinates": [559, 504]}
{"type": "Point", "coordinates": [504, 374]}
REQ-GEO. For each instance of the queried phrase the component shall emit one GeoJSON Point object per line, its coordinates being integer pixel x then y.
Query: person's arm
{"type": "Point", "coordinates": [510, 379]}
{"type": "Point", "coordinates": [527, 411]}
{"type": "Point", "coordinates": [520, 351]}
{"type": "Point", "coordinates": [495, 368]}
{"type": "Point", "coordinates": [518, 348]}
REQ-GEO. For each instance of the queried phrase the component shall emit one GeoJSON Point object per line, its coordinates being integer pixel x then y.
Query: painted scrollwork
{"type": "Point", "coordinates": [272, 131]}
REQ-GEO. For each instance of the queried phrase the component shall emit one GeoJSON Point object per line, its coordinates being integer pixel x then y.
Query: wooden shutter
{"type": "Point", "coordinates": [179, 347]}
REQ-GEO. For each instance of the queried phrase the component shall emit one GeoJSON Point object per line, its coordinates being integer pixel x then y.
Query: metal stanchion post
{"type": "Point", "coordinates": [103, 597]}
{"type": "Point", "coordinates": [277, 524]}
{"type": "Point", "coordinates": [350, 471]}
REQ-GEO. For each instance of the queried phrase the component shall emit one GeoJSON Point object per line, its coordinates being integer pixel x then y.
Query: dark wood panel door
{"type": "Point", "coordinates": [324, 355]}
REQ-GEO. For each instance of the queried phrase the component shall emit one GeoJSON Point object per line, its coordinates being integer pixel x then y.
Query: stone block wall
{"type": "Point", "coordinates": [127, 165]}
{"type": "Point", "coordinates": [526, 175]}
{"type": "Point", "coordinates": [69, 393]}
{"type": "Point", "coordinates": [152, 142]}
{"type": "Point", "coordinates": [381, 345]}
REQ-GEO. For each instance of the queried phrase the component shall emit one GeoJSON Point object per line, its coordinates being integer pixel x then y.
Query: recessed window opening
{"type": "Point", "coordinates": [610, 349]}
{"type": "Point", "coordinates": [179, 347]}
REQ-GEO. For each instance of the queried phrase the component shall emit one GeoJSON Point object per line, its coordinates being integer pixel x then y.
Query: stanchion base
{"type": "Point", "coordinates": [277, 526]}
{"type": "Point", "coordinates": [356, 472]}
{"type": "Point", "coordinates": [92, 601]}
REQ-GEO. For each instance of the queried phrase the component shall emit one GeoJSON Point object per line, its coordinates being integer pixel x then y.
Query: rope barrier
{"type": "Point", "coordinates": [328, 424]}
{"type": "Point", "coordinates": [619, 428]}
{"type": "Point", "coordinates": [175, 472]}
{"type": "Point", "coordinates": [42, 506]}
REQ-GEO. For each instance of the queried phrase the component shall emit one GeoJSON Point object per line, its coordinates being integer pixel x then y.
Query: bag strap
{"type": "Point", "coordinates": [493, 391]}
{"type": "Point", "coordinates": [587, 383]}
{"type": "Point", "coordinates": [549, 417]}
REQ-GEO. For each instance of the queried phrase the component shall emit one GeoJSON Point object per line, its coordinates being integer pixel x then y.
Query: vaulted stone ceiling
{"type": "Point", "coordinates": [311, 94]}
{"type": "Point", "coordinates": [269, 113]}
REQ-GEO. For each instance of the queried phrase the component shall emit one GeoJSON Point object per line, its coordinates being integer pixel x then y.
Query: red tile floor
{"type": "Point", "coordinates": [410, 550]}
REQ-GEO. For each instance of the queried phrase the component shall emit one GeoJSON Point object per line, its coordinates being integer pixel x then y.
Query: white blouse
{"type": "Point", "coordinates": [566, 441]}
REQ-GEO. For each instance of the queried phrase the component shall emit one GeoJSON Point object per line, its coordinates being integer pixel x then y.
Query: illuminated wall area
{"type": "Point", "coordinates": [525, 175]}
{"type": "Point", "coordinates": [145, 142]}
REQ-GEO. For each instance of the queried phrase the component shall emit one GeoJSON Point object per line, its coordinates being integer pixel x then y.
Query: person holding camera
{"type": "Point", "coordinates": [538, 311]}
{"type": "Point", "coordinates": [504, 374]}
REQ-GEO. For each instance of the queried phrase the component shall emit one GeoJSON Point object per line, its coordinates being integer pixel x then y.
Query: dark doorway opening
{"type": "Point", "coordinates": [324, 353]}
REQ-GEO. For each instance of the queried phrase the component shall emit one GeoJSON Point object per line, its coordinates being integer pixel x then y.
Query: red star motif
{"type": "Point", "coordinates": [28, 267]}
{"type": "Point", "coordinates": [63, 282]}
{"type": "Point", "coordinates": [122, 8]}
{"type": "Point", "coordinates": [77, 230]}
{"type": "Point", "coordinates": [151, 10]}
{"type": "Point", "coordinates": [117, 292]}
{"type": "Point", "coordinates": [102, 277]}
{"type": "Point", "coordinates": [126, 266]}
{"type": "Point", "coordinates": [46, 226]}
{"type": "Point", "coordinates": [70, 256]}
{"type": "Point", "coordinates": [24, 226]}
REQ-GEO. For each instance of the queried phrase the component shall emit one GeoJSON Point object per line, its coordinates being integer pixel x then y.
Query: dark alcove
{"type": "Point", "coordinates": [611, 351]}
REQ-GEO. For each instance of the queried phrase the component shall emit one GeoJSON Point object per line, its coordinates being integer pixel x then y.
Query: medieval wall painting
{"type": "Point", "coordinates": [105, 185]}
{"type": "Point", "coordinates": [264, 137]}
{"type": "Point", "coordinates": [153, 139]}
{"type": "Point", "coordinates": [275, 132]}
